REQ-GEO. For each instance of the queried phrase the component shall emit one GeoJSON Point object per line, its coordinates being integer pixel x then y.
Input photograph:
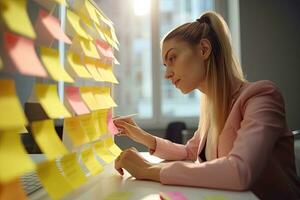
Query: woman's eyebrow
{"type": "Point", "coordinates": [167, 53]}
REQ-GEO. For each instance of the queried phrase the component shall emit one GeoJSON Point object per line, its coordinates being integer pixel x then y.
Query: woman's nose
{"type": "Point", "coordinates": [169, 74]}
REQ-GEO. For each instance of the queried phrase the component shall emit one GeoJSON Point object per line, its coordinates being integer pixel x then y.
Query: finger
{"type": "Point", "coordinates": [118, 166]}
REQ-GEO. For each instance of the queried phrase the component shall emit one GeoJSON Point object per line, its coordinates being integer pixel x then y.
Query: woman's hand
{"type": "Point", "coordinates": [133, 131]}
{"type": "Point", "coordinates": [136, 165]}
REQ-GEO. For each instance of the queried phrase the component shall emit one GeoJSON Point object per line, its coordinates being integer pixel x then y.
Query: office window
{"type": "Point", "coordinates": [156, 102]}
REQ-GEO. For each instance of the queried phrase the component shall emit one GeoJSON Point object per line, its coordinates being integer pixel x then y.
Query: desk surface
{"type": "Point", "coordinates": [110, 181]}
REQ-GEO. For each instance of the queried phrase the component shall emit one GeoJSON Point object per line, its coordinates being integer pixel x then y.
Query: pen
{"type": "Point", "coordinates": [125, 116]}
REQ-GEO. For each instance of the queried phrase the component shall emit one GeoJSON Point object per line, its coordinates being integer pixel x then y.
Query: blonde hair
{"type": "Point", "coordinates": [221, 71]}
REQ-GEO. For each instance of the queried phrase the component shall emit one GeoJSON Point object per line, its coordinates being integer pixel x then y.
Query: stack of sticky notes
{"type": "Point", "coordinates": [35, 45]}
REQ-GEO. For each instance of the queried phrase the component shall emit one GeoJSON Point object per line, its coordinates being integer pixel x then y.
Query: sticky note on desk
{"type": "Point", "coordinates": [118, 196]}
{"type": "Point", "coordinates": [75, 131]}
{"type": "Point", "coordinates": [11, 115]}
{"type": "Point", "coordinates": [47, 139]}
{"type": "Point", "coordinates": [91, 163]}
{"type": "Point", "coordinates": [48, 97]}
{"type": "Point", "coordinates": [50, 58]}
{"type": "Point", "coordinates": [215, 197]}
{"type": "Point", "coordinates": [14, 159]}
{"type": "Point", "coordinates": [15, 16]}
{"type": "Point", "coordinates": [53, 181]}
{"type": "Point", "coordinates": [112, 147]}
{"type": "Point", "coordinates": [21, 53]}
{"type": "Point", "coordinates": [73, 97]}
{"type": "Point", "coordinates": [48, 28]}
{"type": "Point", "coordinates": [76, 65]}
{"type": "Point", "coordinates": [103, 153]}
{"type": "Point", "coordinates": [74, 27]}
{"type": "Point", "coordinates": [12, 190]}
{"type": "Point", "coordinates": [72, 170]}
{"type": "Point", "coordinates": [90, 126]}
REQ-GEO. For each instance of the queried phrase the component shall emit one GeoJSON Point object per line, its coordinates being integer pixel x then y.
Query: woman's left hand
{"type": "Point", "coordinates": [136, 165]}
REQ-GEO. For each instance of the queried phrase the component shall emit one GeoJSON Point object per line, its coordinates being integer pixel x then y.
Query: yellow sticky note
{"type": "Point", "coordinates": [110, 144]}
{"type": "Point", "coordinates": [1, 64]}
{"type": "Point", "coordinates": [102, 121]}
{"type": "Point", "coordinates": [74, 27]}
{"type": "Point", "coordinates": [91, 67]}
{"type": "Point", "coordinates": [107, 73]}
{"type": "Point", "coordinates": [14, 158]}
{"type": "Point", "coordinates": [99, 31]}
{"type": "Point", "coordinates": [53, 181]}
{"type": "Point", "coordinates": [77, 66]}
{"type": "Point", "coordinates": [103, 153]}
{"type": "Point", "coordinates": [88, 97]}
{"type": "Point", "coordinates": [88, 48]}
{"type": "Point", "coordinates": [119, 196]}
{"type": "Point", "coordinates": [108, 37]}
{"type": "Point", "coordinates": [91, 10]}
{"type": "Point", "coordinates": [14, 14]}
{"type": "Point", "coordinates": [72, 170]}
{"type": "Point", "coordinates": [91, 162]}
{"type": "Point", "coordinates": [11, 115]}
{"type": "Point", "coordinates": [47, 139]}
{"type": "Point", "coordinates": [50, 58]}
{"type": "Point", "coordinates": [12, 190]}
{"type": "Point", "coordinates": [102, 95]}
{"type": "Point", "coordinates": [48, 97]}
{"type": "Point", "coordinates": [90, 126]}
{"type": "Point", "coordinates": [75, 131]}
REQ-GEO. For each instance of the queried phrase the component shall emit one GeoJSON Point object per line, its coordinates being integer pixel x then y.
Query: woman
{"type": "Point", "coordinates": [242, 142]}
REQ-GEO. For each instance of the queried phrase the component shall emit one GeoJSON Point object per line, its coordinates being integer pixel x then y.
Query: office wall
{"type": "Point", "coordinates": [270, 48]}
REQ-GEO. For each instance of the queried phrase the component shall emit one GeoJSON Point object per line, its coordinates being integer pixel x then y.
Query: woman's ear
{"type": "Point", "coordinates": [204, 48]}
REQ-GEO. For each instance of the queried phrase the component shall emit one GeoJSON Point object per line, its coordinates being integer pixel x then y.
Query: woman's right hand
{"type": "Point", "coordinates": [133, 131]}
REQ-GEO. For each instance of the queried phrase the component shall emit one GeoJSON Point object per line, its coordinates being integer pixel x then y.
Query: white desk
{"type": "Point", "coordinates": [110, 181]}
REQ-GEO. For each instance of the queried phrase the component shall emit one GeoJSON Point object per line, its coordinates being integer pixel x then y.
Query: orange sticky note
{"type": "Point", "coordinates": [14, 14]}
{"type": "Point", "coordinates": [75, 131]}
{"type": "Point", "coordinates": [72, 170]}
{"type": "Point", "coordinates": [48, 97]}
{"type": "Point", "coordinates": [53, 181]}
{"type": "Point", "coordinates": [73, 25]}
{"type": "Point", "coordinates": [111, 126]}
{"type": "Point", "coordinates": [46, 137]}
{"type": "Point", "coordinates": [14, 158]}
{"type": "Point", "coordinates": [90, 126]}
{"type": "Point", "coordinates": [48, 28]}
{"type": "Point", "coordinates": [78, 68]}
{"type": "Point", "coordinates": [12, 190]}
{"type": "Point", "coordinates": [73, 97]}
{"type": "Point", "coordinates": [21, 52]}
{"type": "Point", "coordinates": [105, 49]}
{"type": "Point", "coordinates": [91, 163]}
{"type": "Point", "coordinates": [88, 97]}
{"type": "Point", "coordinates": [50, 58]}
{"type": "Point", "coordinates": [103, 153]}
{"type": "Point", "coordinates": [112, 147]}
{"type": "Point", "coordinates": [11, 115]}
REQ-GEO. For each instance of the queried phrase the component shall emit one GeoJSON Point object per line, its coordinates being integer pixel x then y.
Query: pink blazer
{"type": "Point", "coordinates": [255, 149]}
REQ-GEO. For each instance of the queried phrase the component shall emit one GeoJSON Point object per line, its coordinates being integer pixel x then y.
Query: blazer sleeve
{"type": "Point", "coordinates": [171, 151]}
{"type": "Point", "coordinates": [263, 122]}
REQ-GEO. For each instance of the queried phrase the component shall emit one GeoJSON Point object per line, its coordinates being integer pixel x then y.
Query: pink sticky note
{"type": "Point", "coordinates": [72, 95]}
{"type": "Point", "coordinates": [111, 126]}
{"type": "Point", "coordinates": [22, 55]}
{"type": "Point", "coordinates": [105, 49]}
{"type": "Point", "coordinates": [172, 196]}
{"type": "Point", "coordinates": [48, 28]}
